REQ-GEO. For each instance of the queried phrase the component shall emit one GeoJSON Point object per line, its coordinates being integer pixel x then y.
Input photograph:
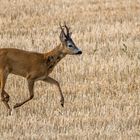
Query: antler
{"type": "Point", "coordinates": [62, 30]}
{"type": "Point", "coordinates": [67, 29]}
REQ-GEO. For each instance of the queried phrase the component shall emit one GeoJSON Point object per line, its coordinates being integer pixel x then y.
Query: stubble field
{"type": "Point", "coordinates": [101, 87]}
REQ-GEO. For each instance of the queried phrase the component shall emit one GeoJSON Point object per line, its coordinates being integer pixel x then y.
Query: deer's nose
{"type": "Point", "coordinates": [79, 52]}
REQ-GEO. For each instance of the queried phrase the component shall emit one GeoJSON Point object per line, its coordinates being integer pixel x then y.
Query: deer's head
{"type": "Point", "coordinates": [69, 46]}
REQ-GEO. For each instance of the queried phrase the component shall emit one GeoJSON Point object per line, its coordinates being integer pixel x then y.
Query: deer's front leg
{"type": "Point", "coordinates": [53, 81]}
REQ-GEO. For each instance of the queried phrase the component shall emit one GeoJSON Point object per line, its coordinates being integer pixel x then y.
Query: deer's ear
{"type": "Point", "coordinates": [62, 37]}
{"type": "Point", "coordinates": [70, 34]}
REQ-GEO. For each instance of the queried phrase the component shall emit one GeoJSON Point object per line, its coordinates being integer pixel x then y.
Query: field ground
{"type": "Point", "coordinates": [101, 87]}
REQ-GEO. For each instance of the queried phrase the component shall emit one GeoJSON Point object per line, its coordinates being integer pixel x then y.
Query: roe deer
{"type": "Point", "coordinates": [34, 66]}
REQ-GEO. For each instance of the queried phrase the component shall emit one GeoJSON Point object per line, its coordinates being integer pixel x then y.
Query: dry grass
{"type": "Point", "coordinates": [101, 87]}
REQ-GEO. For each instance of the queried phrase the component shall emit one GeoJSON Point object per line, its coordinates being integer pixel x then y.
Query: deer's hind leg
{"type": "Point", "coordinates": [31, 92]}
{"type": "Point", "coordinates": [4, 95]}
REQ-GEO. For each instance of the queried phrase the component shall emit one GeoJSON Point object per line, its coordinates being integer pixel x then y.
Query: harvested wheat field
{"type": "Point", "coordinates": [101, 87]}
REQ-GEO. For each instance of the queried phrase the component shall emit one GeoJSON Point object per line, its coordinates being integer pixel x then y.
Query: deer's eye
{"type": "Point", "coordinates": [70, 46]}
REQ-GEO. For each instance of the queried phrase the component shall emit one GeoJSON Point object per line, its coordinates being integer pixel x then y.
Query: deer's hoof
{"type": "Point", "coordinates": [62, 104]}
{"type": "Point", "coordinates": [16, 105]}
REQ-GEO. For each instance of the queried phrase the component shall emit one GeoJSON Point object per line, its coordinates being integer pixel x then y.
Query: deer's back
{"type": "Point", "coordinates": [20, 62]}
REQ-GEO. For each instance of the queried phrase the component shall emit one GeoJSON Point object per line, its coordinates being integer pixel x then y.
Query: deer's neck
{"type": "Point", "coordinates": [54, 56]}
